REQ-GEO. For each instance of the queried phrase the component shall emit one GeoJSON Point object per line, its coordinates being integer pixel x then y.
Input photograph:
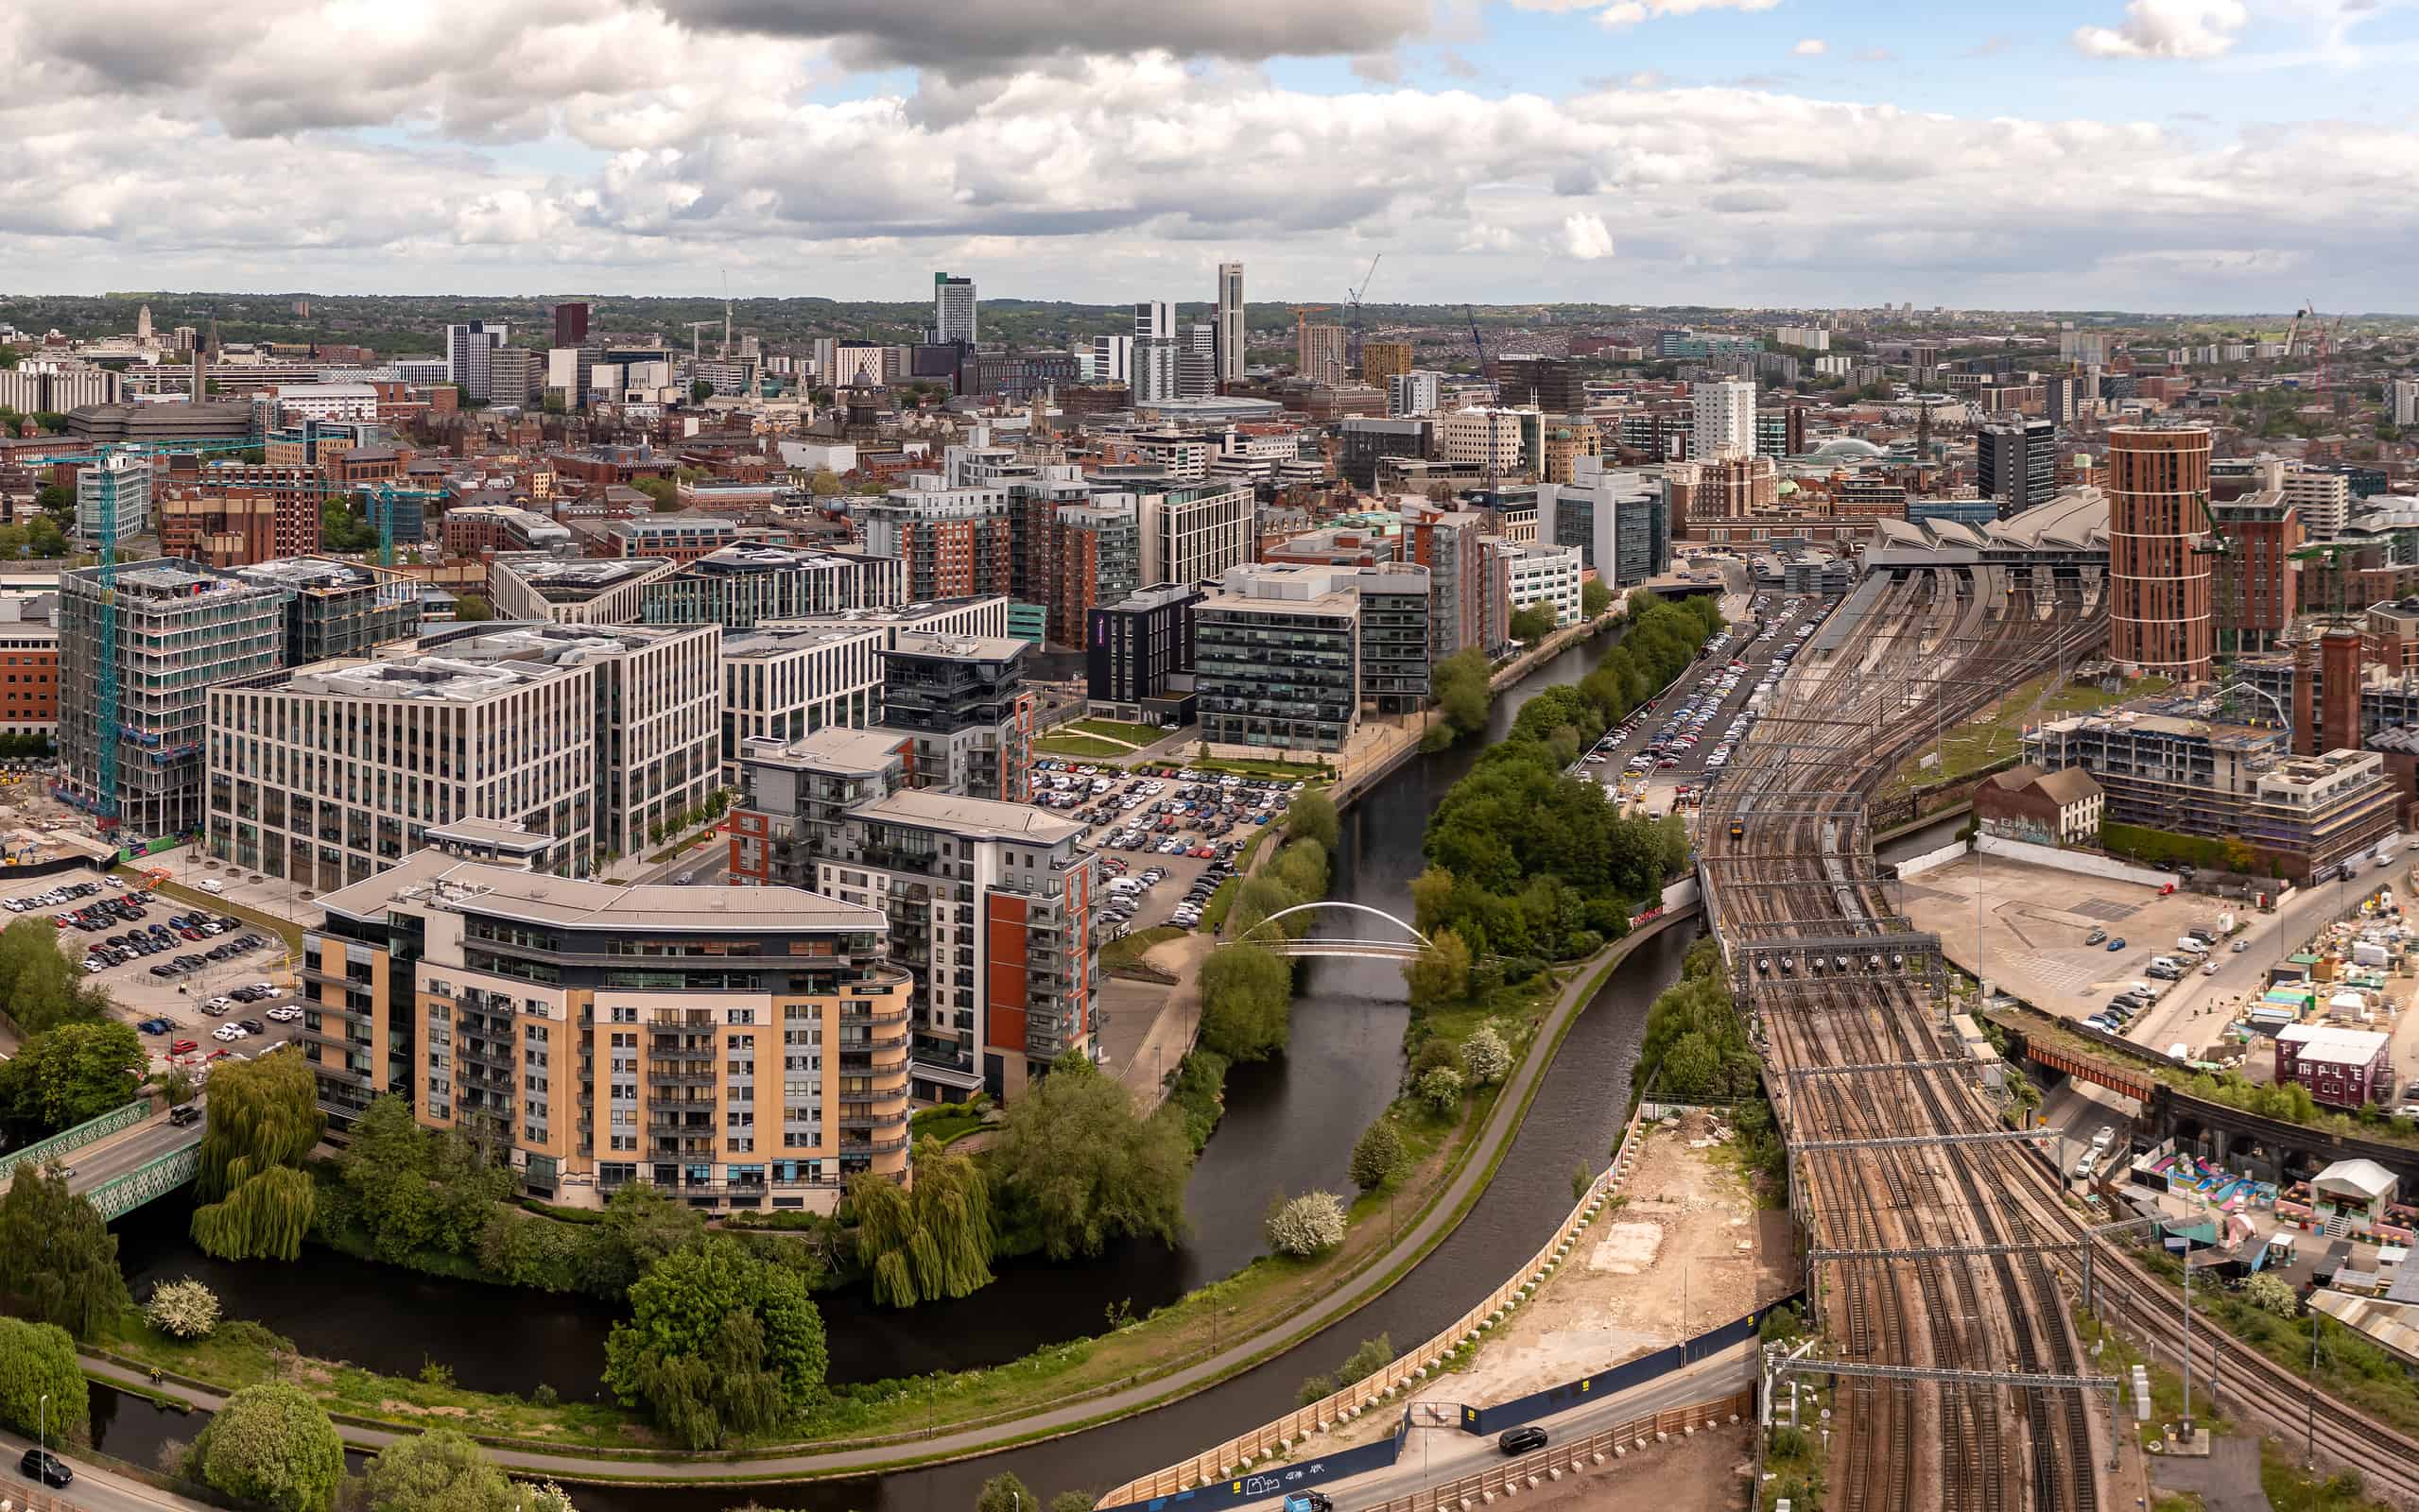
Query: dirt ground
{"type": "Point", "coordinates": [1704, 1473]}
{"type": "Point", "coordinates": [1687, 1236]}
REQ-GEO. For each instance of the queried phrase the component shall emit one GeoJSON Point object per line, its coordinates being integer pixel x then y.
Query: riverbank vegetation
{"type": "Point", "coordinates": [264, 1121]}
{"type": "Point", "coordinates": [1696, 1050]}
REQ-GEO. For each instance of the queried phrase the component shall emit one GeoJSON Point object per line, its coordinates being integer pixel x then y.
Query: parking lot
{"type": "Point", "coordinates": [179, 973]}
{"type": "Point", "coordinates": [1186, 824]}
{"type": "Point", "coordinates": [1688, 734]}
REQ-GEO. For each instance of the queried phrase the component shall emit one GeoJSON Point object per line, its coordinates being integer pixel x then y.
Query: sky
{"type": "Point", "coordinates": [2163, 155]}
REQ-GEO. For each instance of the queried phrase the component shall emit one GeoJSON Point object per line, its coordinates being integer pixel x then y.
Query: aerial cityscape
{"type": "Point", "coordinates": [1042, 757]}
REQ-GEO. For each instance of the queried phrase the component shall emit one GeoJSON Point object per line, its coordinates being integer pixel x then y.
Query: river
{"type": "Point", "coordinates": [1290, 1125]}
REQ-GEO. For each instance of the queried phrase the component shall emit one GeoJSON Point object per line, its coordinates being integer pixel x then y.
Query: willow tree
{"type": "Point", "coordinates": [935, 1242]}
{"type": "Point", "coordinates": [264, 1120]}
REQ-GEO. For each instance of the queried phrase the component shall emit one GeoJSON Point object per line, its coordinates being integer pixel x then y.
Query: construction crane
{"type": "Point", "coordinates": [1480, 343]}
{"type": "Point", "coordinates": [1353, 297]}
{"type": "Point", "coordinates": [380, 500]}
{"type": "Point", "coordinates": [696, 353]}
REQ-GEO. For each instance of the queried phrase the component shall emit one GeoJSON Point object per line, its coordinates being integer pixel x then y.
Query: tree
{"type": "Point", "coordinates": [1073, 1501]}
{"type": "Point", "coordinates": [826, 484]}
{"type": "Point", "coordinates": [1377, 1155]}
{"type": "Point", "coordinates": [68, 1075]}
{"type": "Point", "coordinates": [1461, 691]}
{"type": "Point", "coordinates": [1247, 1002]}
{"type": "Point", "coordinates": [411, 1187]}
{"type": "Point", "coordinates": [1440, 1087]}
{"type": "Point", "coordinates": [182, 1309]}
{"type": "Point", "coordinates": [664, 494]}
{"type": "Point", "coordinates": [470, 608]}
{"type": "Point", "coordinates": [263, 1118]}
{"type": "Point", "coordinates": [1004, 1492]}
{"type": "Point", "coordinates": [37, 982]}
{"type": "Point", "coordinates": [56, 500]}
{"type": "Point", "coordinates": [38, 1360]}
{"type": "Point", "coordinates": [718, 1342]}
{"type": "Point", "coordinates": [442, 1470]}
{"type": "Point", "coordinates": [1079, 1168]}
{"type": "Point", "coordinates": [1594, 599]}
{"type": "Point", "coordinates": [701, 390]}
{"type": "Point", "coordinates": [1532, 623]}
{"type": "Point", "coordinates": [1312, 816]}
{"type": "Point", "coordinates": [1311, 1223]}
{"type": "Point", "coordinates": [934, 1243]}
{"type": "Point", "coordinates": [58, 1259]}
{"type": "Point", "coordinates": [1434, 978]}
{"type": "Point", "coordinates": [272, 1445]}
{"type": "Point", "coordinates": [1485, 1058]}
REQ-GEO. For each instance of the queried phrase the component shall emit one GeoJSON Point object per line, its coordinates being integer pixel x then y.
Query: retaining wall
{"type": "Point", "coordinates": [1930, 860]}
{"type": "Point", "coordinates": [2084, 862]}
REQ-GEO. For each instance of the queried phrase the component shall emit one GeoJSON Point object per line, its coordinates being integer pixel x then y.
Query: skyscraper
{"type": "Point", "coordinates": [1725, 419]}
{"type": "Point", "coordinates": [2016, 463]}
{"type": "Point", "coordinates": [952, 309]}
{"type": "Point", "coordinates": [1321, 354]}
{"type": "Point", "coordinates": [571, 323]}
{"type": "Point", "coordinates": [2160, 612]}
{"type": "Point", "coordinates": [1154, 319]}
{"type": "Point", "coordinates": [1229, 322]}
{"type": "Point", "coordinates": [1155, 352]}
{"type": "Point", "coordinates": [467, 348]}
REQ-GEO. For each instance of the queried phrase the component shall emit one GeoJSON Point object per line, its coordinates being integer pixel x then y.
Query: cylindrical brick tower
{"type": "Point", "coordinates": [2159, 610]}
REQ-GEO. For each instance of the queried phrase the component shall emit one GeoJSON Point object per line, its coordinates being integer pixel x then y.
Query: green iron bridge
{"type": "Point", "coordinates": [120, 1160]}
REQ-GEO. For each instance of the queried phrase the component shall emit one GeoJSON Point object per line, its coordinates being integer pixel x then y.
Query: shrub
{"type": "Point", "coordinates": [1308, 1224]}
{"type": "Point", "coordinates": [183, 1310]}
{"type": "Point", "coordinates": [1484, 1057]}
{"type": "Point", "coordinates": [273, 1444]}
{"type": "Point", "coordinates": [1441, 1088]}
{"type": "Point", "coordinates": [2273, 1294]}
{"type": "Point", "coordinates": [1377, 1155]}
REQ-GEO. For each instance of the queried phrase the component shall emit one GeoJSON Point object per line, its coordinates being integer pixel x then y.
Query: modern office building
{"type": "Point", "coordinates": [956, 541]}
{"type": "Point", "coordinates": [475, 529]}
{"type": "Point", "coordinates": [1417, 392]}
{"type": "Point", "coordinates": [963, 701]}
{"type": "Point", "coordinates": [571, 322]}
{"type": "Point", "coordinates": [1231, 335]}
{"type": "Point", "coordinates": [1529, 381]}
{"type": "Point", "coordinates": [1277, 659]}
{"type": "Point", "coordinates": [1616, 518]}
{"type": "Point", "coordinates": [530, 585]}
{"type": "Point", "coordinates": [1540, 574]}
{"type": "Point", "coordinates": [1725, 418]}
{"type": "Point", "coordinates": [659, 703]}
{"type": "Point", "coordinates": [334, 607]}
{"type": "Point", "coordinates": [976, 617]}
{"type": "Point", "coordinates": [2016, 463]}
{"type": "Point", "coordinates": [785, 685]}
{"type": "Point", "coordinates": [990, 904]}
{"type": "Point", "coordinates": [114, 497]}
{"type": "Point", "coordinates": [2160, 612]}
{"type": "Point", "coordinates": [952, 309]}
{"type": "Point", "coordinates": [1394, 606]}
{"type": "Point", "coordinates": [2321, 500]}
{"type": "Point", "coordinates": [681, 538]}
{"type": "Point", "coordinates": [330, 773]}
{"type": "Point", "coordinates": [469, 349]}
{"type": "Point", "coordinates": [1363, 442]}
{"type": "Point", "coordinates": [1486, 438]}
{"type": "Point", "coordinates": [738, 1050]}
{"type": "Point", "coordinates": [180, 629]}
{"type": "Point", "coordinates": [1193, 534]}
{"type": "Point", "coordinates": [1138, 656]}
{"type": "Point", "coordinates": [745, 585]}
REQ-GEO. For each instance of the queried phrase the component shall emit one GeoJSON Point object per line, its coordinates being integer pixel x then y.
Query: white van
{"type": "Point", "coordinates": [2167, 962]}
{"type": "Point", "coordinates": [2190, 946]}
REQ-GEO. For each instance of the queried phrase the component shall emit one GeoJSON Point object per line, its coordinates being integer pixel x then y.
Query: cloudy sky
{"type": "Point", "coordinates": [2151, 154]}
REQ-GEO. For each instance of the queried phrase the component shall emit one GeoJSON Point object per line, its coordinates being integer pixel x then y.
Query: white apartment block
{"type": "Point", "coordinates": [983, 616]}
{"type": "Point", "coordinates": [114, 496]}
{"type": "Point", "coordinates": [327, 774]}
{"type": "Point", "coordinates": [536, 585]}
{"type": "Point", "coordinates": [1192, 535]}
{"type": "Point", "coordinates": [1488, 438]}
{"type": "Point", "coordinates": [300, 402]}
{"type": "Point", "coordinates": [2403, 395]}
{"type": "Point", "coordinates": [1110, 360]}
{"type": "Point", "coordinates": [788, 684]}
{"type": "Point", "coordinates": [1180, 454]}
{"type": "Point", "coordinates": [1810, 336]}
{"type": "Point", "coordinates": [2324, 501]}
{"type": "Point", "coordinates": [1546, 574]}
{"type": "Point", "coordinates": [1725, 412]}
{"type": "Point", "coordinates": [1411, 393]}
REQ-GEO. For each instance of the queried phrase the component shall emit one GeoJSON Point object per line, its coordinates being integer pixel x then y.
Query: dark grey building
{"type": "Point", "coordinates": [1394, 638]}
{"type": "Point", "coordinates": [962, 700]}
{"type": "Point", "coordinates": [1138, 656]}
{"type": "Point", "coordinates": [1367, 439]}
{"type": "Point", "coordinates": [334, 609]}
{"type": "Point", "coordinates": [1277, 658]}
{"type": "Point", "coordinates": [2016, 463]}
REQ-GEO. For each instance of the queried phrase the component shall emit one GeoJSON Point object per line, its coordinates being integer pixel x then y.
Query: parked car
{"type": "Point", "coordinates": [182, 1047]}
{"type": "Point", "coordinates": [2094, 936]}
{"type": "Point", "coordinates": [2117, 944]}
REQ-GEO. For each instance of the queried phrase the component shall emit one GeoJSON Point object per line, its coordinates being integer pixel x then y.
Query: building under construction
{"type": "Point", "coordinates": [181, 629]}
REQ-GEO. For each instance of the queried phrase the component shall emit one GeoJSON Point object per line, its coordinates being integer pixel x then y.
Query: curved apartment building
{"type": "Point", "coordinates": [2160, 608]}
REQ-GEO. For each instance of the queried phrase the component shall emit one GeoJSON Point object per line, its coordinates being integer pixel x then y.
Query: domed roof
{"type": "Point", "coordinates": [1785, 488]}
{"type": "Point", "coordinates": [1845, 446]}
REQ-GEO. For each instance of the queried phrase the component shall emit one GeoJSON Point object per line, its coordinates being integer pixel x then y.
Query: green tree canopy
{"type": "Point", "coordinates": [1247, 1002]}
{"type": "Point", "coordinates": [67, 1074]}
{"type": "Point", "coordinates": [38, 1360]}
{"type": "Point", "coordinates": [263, 1119]}
{"type": "Point", "coordinates": [1462, 691]}
{"type": "Point", "coordinates": [1532, 623]}
{"type": "Point", "coordinates": [1312, 816]}
{"type": "Point", "coordinates": [340, 529]}
{"type": "Point", "coordinates": [57, 1258]}
{"type": "Point", "coordinates": [663, 493]}
{"type": "Point", "coordinates": [470, 608]}
{"type": "Point", "coordinates": [1004, 1492]}
{"type": "Point", "coordinates": [1442, 977]}
{"type": "Point", "coordinates": [411, 1186]}
{"type": "Point", "coordinates": [935, 1242]}
{"type": "Point", "coordinates": [272, 1445]}
{"type": "Point", "coordinates": [37, 983]}
{"type": "Point", "coordinates": [1594, 599]}
{"type": "Point", "coordinates": [1079, 1167]}
{"type": "Point", "coordinates": [718, 1342]}
{"type": "Point", "coordinates": [442, 1470]}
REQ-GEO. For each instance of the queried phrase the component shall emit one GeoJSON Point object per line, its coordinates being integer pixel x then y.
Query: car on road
{"type": "Point", "coordinates": [44, 1466]}
{"type": "Point", "coordinates": [1309, 1501]}
{"type": "Point", "coordinates": [2209, 968]}
{"type": "Point", "coordinates": [2117, 944]}
{"type": "Point", "coordinates": [1525, 1439]}
{"type": "Point", "coordinates": [185, 1114]}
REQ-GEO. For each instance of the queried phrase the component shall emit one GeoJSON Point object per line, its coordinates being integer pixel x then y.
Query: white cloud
{"type": "Point", "coordinates": [1585, 236]}
{"type": "Point", "coordinates": [1630, 12]}
{"type": "Point", "coordinates": [2167, 29]}
{"type": "Point", "coordinates": [1810, 47]}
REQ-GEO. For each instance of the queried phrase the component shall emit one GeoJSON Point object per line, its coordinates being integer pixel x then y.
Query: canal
{"type": "Point", "coordinates": [1289, 1127]}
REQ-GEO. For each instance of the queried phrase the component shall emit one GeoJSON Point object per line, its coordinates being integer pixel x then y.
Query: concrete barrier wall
{"type": "Point", "coordinates": [1930, 860]}
{"type": "Point", "coordinates": [1245, 1449]}
{"type": "Point", "coordinates": [2084, 862]}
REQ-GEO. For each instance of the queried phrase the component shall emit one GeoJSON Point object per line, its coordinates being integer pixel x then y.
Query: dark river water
{"type": "Point", "coordinates": [1290, 1125]}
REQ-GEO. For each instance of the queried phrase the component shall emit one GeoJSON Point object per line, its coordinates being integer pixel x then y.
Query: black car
{"type": "Point", "coordinates": [1525, 1439]}
{"type": "Point", "coordinates": [41, 1464]}
{"type": "Point", "coordinates": [249, 1025]}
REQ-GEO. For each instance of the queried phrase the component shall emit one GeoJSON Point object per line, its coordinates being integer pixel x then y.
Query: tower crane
{"type": "Point", "coordinates": [381, 499]}
{"type": "Point", "coordinates": [696, 354]}
{"type": "Point", "coordinates": [1353, 297]}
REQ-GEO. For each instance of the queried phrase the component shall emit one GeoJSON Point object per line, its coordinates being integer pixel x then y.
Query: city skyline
{"type": "Point", "coordinates": [1735, 152]}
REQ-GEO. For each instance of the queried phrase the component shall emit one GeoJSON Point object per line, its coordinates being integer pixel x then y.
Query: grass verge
{"type": "Point", "coordinates": [1126, 951]}
{"type": "Point", "coordinates": [285, 929]}
{"type": "Point", "coordinates": [1083, 746]}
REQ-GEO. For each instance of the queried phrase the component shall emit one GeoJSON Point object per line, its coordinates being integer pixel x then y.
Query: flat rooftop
{"type": "Point", "coordinates": [969, 647]}
{"type": "Point", "coordinates": [838, 748]}
{"type": "Point", "coordinates": [985, 817]}
{"type": "Point", "coordinates": [535, 640]}
{"type": "Point", "coordinates": [304, 574]}
{"type": "Point", "coordinates": [571, 578]}
{"type": "Point", "coordinates": [759, 643]}
{"type": "Point", "coordinates": [420, 678]}
{"type": "Point", "coordinates": [761, 559]}
{"type": "Point", "coordinates": [430, 879]}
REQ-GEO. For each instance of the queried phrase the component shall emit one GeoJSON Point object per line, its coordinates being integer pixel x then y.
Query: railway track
{"type": "Point", "coordinates": [1802, 868]}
